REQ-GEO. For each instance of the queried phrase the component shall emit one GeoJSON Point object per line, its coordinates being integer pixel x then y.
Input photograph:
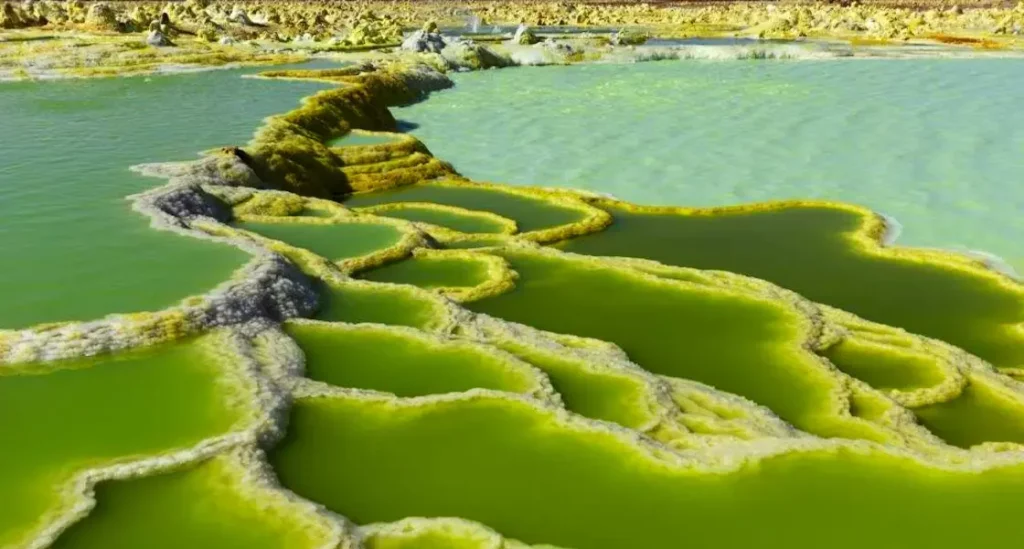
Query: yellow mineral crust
{"type": "Point", "coordinates": [876, 415]}
{"type": "Point", "coordinates": [831, 327]}
{"type": "Point", "coordinates": [540, 386]}
{"type": "Point", "coordinates": [46, 54]}
{"type": "Point", "coordinates": [869, 237]}
{"type": "Point", "coordinates": [402, 146]}
{"type": "Point", "coordinates": [411, 238]}
{"type": "Point", "coordinates": [241, 387]}
{"type": "Point", "coordinates": [508, 226]}
{"type": "Point", "coordinates": [411, 532]}
{"type": "Point", "coordinates": [270, 204]}
{"type": "Point", "coordinates": [107, 39]}
{"type": "Point", "coordinates": [289, 151]}
{"type": "Point", "coordinates": [592, 220]}
{"type": "Point", "coordinates": [683, 425]}
{"type": "Point", "coordinates": [500, 276]}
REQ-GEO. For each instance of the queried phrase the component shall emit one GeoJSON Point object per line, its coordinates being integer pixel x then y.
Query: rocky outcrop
{"type": "Point", "coordinates": [238, 15]}
{"type": "Point", "coordinates": [101, 17]}
{"type": "Point", "coordinates": [12, 18]}
{"type": "Point", "coordinates": [157, 36]}
{"type": "Point", "coordinates": [629, 37]}
{"type": "Point", "coordinates": [525, 36]}
{"type": "Point", "coordinates": [425, 40]}
{"type": "Point", "coordinates": [371, 30]}
{"type": "Point", "coordinates": [467, 55]}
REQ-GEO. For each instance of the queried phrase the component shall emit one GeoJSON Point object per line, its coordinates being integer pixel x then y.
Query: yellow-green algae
{"type": "Point", "coordinates": [536, 472]}
{"type": "Point", "coordinates": [65, 418]}
{"type": "Point", "coordinates": [220, 502]}
{"type": "Point", "coordinates": [830, 253]}
{"type": "Point", "coordinates": [457, 219]}
{"type": "Point", "coordinates": [334, 241]}
{"type": "Point", "coordinates": [979, 414]}
{"type": "Point", "coordinates": [472, 242]}
{"type": "Point", "coordinates": [444, 533]}
{"type": "Point", "coordinates": [879, 367]}
{"type": "Point", "coordinates": [530, 212]}
{"type": "Point", "coordinates": [432, 272]}
{"type": "Point", "coordinates": [540, 477]}
{"type": "Point", "coordinates": [405, 363]}
{"type": "Point", "coordinates": [359, 303]}
{"type": "Point", "coordinates": [289, 150]}
{"type": "Point", "coordinates": [961, 410]}
{"type": "Point", "coordinates": [463, 276]}
{"type": "Point", "coordinates": [610, 396]}
{"type": "Point", "coordinates": [854, 401]}
{"type": "Point", "coordinates": [677, 330]}
{"type": "Point", "coordinates": [360, 138]}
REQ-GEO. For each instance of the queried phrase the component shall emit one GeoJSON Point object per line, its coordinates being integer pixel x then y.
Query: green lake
{"type": "Point", "coordinates": [73, 248]}
{"type": "Point", "coordinates": [206, 505]}
{"type": "Point", "coordinates": [403, 364]}
{"type": "Point", "coordinates": [334, 241]}
{"type": "Point", "coordinates": [505, 464]}
{"type": "Point", "coordinates": [934, 143]}
{"type": "Point", "coordinates": [101, 411]}
{"type": "Point", "coordinates": [733, 343]}
{"type": "Point", "coordinates": [529, 213]}
{"type": "Point", "coordinates": [432, 272]}
{"type": "Point", "coordinates": [940, 156]}
{"type": "Point", "coordinates": [459, 222]}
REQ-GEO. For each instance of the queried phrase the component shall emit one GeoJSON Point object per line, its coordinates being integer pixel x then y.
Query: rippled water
{"type": "Point", "coordinates": [937, 144]}
{"type": "Point", "coordinates": [71, 247]}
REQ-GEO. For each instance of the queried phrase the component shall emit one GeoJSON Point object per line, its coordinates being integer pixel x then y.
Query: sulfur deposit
{"type": "Point", "coordinates": [411, 358]}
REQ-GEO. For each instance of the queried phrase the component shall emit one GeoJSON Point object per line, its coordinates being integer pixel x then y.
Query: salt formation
{"type": "Point", "coordinates": [592, 414]}
{"type": "Point", "coordinates": [427, 39]}
{"type": "Point", "coordinates": [101, 17]}
{"type": "Point", "coordinates": [157, 35]}
{"type": "Point", "coordinates": [524, 36]}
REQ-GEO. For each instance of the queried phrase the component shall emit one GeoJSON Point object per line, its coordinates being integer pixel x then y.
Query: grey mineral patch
{"type": "Point", "coordinates": [423, 41]}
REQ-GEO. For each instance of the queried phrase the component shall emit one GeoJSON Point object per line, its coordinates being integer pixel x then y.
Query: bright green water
{"type": "Point", "coordinates": [505, 465]}
{"type": "Point", "coordinates": [881, 369]}
{"type": "Point", "coordinates": [734, 344]}
{"type": "Point", "coordinates": [58, 420]}
{"type": "Point", "coordinates": [72, 247]}
{"type": "Point", "coordinates": [382, 360]}
{"type": "Point", "coordinates": [316, 212]}
{"type": "Point", "coordinates": [594, 394]}
{"type": "Point", "coordinates": [458, 222]}
{"type": "Point", "coordinates": [473, 243]}
{"type": "Point", "coordinates": [432, 539]}
{"type": "Point", "coordinates": [807, 251]}
{"type": "Point", "coordinates": [335, 241]}
{"type": "Point", "coordinates": [530, 214]}
{"type": "Point", "coordinates": [488, 459]}
{"type": "Point", "coordinates": [432, 272]}
{"type": "Point", "coordinates": [977, 415]}
{"type": "Point", "coordinates": [380, 304]}
{"type": "Point", "coordinates": [202, 506]}
{"type": "Point", "coordinates": [934, 143]}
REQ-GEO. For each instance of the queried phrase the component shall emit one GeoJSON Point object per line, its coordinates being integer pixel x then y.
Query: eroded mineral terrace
{"type": "Point", "coordinates": [411, 359]}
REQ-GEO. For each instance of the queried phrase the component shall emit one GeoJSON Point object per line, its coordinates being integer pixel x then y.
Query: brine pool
{"type": "Point", "coordinates": [936, 144]}
{"type": "Point", "coordinates": [404, 423]}
{"type": "Point", "coordinates": [72, 247]}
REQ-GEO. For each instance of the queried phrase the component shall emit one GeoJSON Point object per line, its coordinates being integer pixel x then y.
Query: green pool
{"type": "Point", "coordinates": [73, 248]}
{"type": "Point", "coordinates": [590, 403]}
{"type": "Point", "coordinates": [933, 143]}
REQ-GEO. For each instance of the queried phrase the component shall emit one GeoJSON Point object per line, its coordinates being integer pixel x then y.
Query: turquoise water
{"type": "Point", "coordinates": [72, 248]}
{"type": "Point", "coordinates": [937, 144]}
